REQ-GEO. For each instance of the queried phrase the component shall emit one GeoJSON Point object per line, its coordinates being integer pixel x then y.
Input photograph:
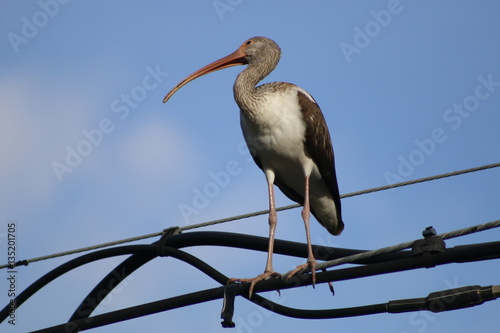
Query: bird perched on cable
{"type": "Point", "coordinates": [288, 139]}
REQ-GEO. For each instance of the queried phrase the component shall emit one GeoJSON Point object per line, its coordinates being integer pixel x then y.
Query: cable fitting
{"type": "Point", "coordinates": [167, 233]}
{"type": "Point", "coordinates": [459, 298]}
{"type": "Point", "coordinates": [228, 305]}
{"type": "Point", "coordinates": [431, 243]}
{"type": "Point", "coordinates": [446, 300]}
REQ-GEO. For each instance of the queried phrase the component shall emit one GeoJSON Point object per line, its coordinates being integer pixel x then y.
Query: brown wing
{"type": "Point", "coordinates": [319, 146]}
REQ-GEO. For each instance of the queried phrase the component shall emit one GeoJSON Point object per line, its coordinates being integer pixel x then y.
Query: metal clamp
{"type": "Point", "coordinates": [427, 246]}
{"type": "Point", "coordinates": [228, 305]}
{"type": "Point", "coordinates": [167, 233]}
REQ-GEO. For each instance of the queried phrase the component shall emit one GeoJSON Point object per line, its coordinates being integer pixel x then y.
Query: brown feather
{"type": "Point", "coordinates": [319, 146]}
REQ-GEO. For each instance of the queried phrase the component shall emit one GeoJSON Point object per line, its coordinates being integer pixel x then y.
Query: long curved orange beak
{"type": "Point", "coordinates": [234, 59]}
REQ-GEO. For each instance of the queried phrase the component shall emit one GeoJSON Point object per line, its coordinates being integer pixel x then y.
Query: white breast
{"type": "Point", "coordinates": [276, 131]}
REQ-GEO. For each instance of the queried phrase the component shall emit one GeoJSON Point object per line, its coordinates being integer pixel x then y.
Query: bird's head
{"type": "Point", "coordinates": [255, 50]}
{"type": "Point", "coordinates": [261, 50]}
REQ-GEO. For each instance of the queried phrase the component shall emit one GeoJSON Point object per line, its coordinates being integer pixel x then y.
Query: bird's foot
{"type": "Point", "coordinates": [311, 264]}
{"type": "Point", "coordinates": [330, 285]}
{"type": "Point", "coordinates": [253, 281]}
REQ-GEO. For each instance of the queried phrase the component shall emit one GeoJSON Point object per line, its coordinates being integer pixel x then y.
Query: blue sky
{"type": "Point", "coordinates": [408, 88]}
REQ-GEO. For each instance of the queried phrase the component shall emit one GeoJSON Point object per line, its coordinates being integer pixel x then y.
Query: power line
{"type": "Point", "coordinates": [170, 246]}
{"type": "Point", "coordinates": [244, 216]}
{"type": "Point", "coordinates": [347, 195]}
{"type": "Point", "coordinates": [368, 254]}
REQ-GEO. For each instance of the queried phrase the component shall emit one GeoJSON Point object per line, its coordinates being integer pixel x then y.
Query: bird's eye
{"type": "Point", "coordinates": [248, 42]}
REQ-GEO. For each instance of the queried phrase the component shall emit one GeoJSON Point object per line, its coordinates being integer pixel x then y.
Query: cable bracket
{"type": "Point", "coordinates": [228, 305]}
{"type": "Point", "coordinates": [167, 233]}
{"type": "Point", "coordinates": [428, 245]}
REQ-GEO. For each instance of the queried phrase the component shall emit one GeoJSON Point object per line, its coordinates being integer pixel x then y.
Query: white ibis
{"type": "Point", "coordinates": [288, 139]}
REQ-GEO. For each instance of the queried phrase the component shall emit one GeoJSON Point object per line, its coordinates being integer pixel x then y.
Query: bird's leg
{"type": "Point", "coordinates": [306, 213]}
{"type": "Point", "coordinates": [273, 221]}
{"type": "Point", "coordinates": [269, 271]}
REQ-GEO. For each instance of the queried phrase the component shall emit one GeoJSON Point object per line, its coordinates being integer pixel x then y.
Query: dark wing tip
{"type": "Point", "coordinates": [319, 145]}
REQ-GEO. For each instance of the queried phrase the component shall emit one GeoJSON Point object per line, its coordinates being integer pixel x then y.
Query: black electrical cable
{"type": "Point", "coordinates": [66, 267]}
{"type": "Point", "coordinates": [145, 253]}
{"type": "Point", "coordinates": [138, 311]}
{"type": "Point", "coordinates": [86, 307]}
{"type": "Point", "coordinates": [483, 251]}
{"type": "Point", "coordinates": [107, 284]}
{"type": "Point", "coordinates": [436, 302]}
{"type": "Point", "coordinates": [215, 238]}
{"type": "Point", "coordinates": [257, 243]}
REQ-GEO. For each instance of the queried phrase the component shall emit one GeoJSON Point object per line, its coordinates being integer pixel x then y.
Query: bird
{"type": "Point", "coordinates": [288, 138]}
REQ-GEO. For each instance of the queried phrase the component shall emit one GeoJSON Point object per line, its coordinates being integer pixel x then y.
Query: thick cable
{"type": "Point", "coordinates": [368, 254]}
{"type": "Point", "coordinates": [72, 264]}
{"type": "Point", "coordinates": [457, 254]}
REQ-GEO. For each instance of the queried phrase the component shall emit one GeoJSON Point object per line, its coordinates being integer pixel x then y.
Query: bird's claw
{"type": "Point", "coordinates": [311, 264]}
{"type": "Point", "coordinates": [330, 285]}
{"type": "Point", "coordinates": [253, 281]}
